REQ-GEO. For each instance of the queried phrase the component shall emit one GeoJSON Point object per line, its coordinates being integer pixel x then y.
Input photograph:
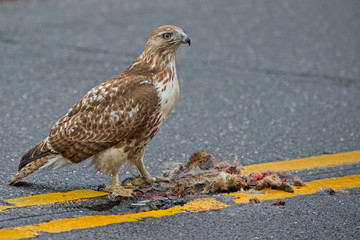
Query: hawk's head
{"type": "Point", "coordinates": [167, 38]}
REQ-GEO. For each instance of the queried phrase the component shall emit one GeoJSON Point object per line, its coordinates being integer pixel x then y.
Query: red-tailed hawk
{"type": "Point", "coordinates": [115, 120]}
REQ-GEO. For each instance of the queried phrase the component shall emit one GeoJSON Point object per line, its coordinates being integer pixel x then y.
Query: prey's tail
{"type": "Point", "coordinates": [34, 159]}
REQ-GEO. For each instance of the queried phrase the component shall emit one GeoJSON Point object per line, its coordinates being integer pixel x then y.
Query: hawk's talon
{"type": "Point", "coordinates": [159, 179]}
{"type": "Point", "coordinates": [134, 195]}
{"type": "Point", "coordinates": [101, 187]}
{"type": "Point", "coordinates": [138, 190]}
{"type": "Point", "coordinates": [150, 180]}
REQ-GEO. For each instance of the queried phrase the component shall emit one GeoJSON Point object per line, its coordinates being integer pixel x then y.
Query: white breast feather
{"type": "Point", "coordinates": [169, 97]}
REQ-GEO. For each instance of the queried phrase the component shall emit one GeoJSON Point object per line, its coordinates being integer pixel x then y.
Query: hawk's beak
{"type": "Point", "coordinates": [185, 39]}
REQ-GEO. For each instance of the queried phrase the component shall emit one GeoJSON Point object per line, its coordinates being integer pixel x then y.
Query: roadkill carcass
{"type": "Point", "coordinates": [203, 175]}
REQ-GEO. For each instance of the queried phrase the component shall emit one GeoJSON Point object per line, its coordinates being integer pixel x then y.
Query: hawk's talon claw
{"type": "Point", "coordinates": [159, 179]}
{"type": "Point", "coordinates": [134, 195]}
{"type": "Point", "coordinates": [150, 180]}
{"type": "Point", "coordinates": [138, 190]}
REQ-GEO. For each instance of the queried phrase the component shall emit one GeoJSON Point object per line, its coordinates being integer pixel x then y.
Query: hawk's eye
{"type": "Point", "coordinates": [166, 36]}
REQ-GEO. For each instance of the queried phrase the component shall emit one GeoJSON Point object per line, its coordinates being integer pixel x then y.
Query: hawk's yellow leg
{"type": "Point", "coordinates": [148, 178]}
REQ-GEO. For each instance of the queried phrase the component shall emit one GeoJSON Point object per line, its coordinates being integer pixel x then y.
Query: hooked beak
{"type": "Point", "coordinates": [185, 39]}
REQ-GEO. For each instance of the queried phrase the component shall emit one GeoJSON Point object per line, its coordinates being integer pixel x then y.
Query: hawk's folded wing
{"type": "Point", "coordinates": [110, 113]}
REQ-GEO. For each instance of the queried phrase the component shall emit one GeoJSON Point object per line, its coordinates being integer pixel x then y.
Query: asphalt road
{"type": "Point", "coordinates": [263, 80]}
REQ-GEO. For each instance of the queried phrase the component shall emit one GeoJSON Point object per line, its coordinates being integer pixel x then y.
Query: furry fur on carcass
{"type": "Point", "coordinates": [202, 175]}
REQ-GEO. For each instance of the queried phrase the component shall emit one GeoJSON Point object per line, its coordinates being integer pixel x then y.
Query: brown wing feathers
{"type": "Point", "coordinates": [107, 115]}
{"type": "Point", "coordinates": [26, 160]}
{"type": "Point", "coordinates": [40, 150]}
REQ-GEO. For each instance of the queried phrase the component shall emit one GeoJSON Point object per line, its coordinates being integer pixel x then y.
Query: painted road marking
{"type": "Point", "coordinates": [198, 205]}
{"type": "Point", "coordinates": [68, 224]}
{"type": "Point", "coordinates": [290, 165]}
{"type": "Point", "coordinates": [50, 198]}
{"type": "Point", "coordinates": [347, 182]}
{"type": "Point", "coordinates": [323, 161]}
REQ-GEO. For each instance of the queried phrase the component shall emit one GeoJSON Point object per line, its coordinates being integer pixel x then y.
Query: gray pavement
{"type": "Point", "coordinates": [263, 81]}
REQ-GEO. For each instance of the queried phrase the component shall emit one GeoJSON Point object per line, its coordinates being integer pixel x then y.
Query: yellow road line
{"type": "Point", "coordinates": [65, 225]}
{"type": "Point", "coordinates": [347, 182]}
{"type": "Point", "coordinates": [50, 198]}
{"type": "Point", "coordinates": [305, 163]}
{"type": "Point", "coordinates": [204, 204]}
{"type": "Point", "coordinates": [290, 165]}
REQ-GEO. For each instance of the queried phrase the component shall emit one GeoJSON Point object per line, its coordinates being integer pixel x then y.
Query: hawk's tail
{"type": "Point", "coordinates": [35, 158]}
{"type": "Point", "coordinates": [30, 168]}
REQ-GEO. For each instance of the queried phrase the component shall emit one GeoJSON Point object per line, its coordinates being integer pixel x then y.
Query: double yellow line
{"type": "Point", "coordinates": [202, 204]}
{"type": "Point", "coordinates": [50, 198]}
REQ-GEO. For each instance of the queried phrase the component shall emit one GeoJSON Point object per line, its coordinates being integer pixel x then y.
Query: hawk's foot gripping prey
{"type": "Point", "coordinates": [118, 190]}
{"type": "Point", "coordinates": [115, 120]}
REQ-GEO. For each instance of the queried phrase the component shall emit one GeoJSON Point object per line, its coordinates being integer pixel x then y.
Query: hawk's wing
{"type": "Point", "coordinates": [115, 111]}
